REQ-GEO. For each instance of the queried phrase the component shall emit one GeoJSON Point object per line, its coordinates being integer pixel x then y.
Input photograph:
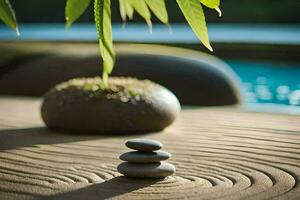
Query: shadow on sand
{"type": "Point", "coordinates": [108, 189]}
{"type": "Point", "coordinates": [17, 138]}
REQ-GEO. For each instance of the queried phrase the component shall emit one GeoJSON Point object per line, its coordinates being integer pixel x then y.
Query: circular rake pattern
{"type": "Point", "coordinates": [218, 155]}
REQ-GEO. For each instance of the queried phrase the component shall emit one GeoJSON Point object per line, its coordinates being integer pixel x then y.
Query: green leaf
{"type": "Point", "coordinates": [122, 10]}
{"type": "Point", "coordinates": [214, 4]}
{"type": "Point", "coordinates": [74, 9]}
{"type": "Point", "coordinates": [193, 12]}
{"type": "Point", "coordinates": [129, 9]}
{"type": "Point", "coordinates": [126, 10]}
{"type": "Point", "coordinates": [158, 7]}
{"type": "Point", "coordinates": [211, 3]}
{"type": "Point", "coordinates": [102, 13]}
{"type": "Point", "coordinates": [7, 15]}
{"type": "Point", "coordinates": [141, 7]}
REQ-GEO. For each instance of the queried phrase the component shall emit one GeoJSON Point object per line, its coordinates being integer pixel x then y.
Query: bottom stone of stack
{"type": "Point", "coordinates": [146, 170]}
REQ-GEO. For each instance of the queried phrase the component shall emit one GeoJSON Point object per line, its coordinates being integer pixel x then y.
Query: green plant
{"type": "Point", "coordinates": [191, 9]}
{"type": "Point", "coordinates": [7, 15]}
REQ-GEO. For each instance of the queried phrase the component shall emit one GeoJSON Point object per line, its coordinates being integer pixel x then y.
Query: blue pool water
{"type": "Point", "coordinates": [268, 83]}
{"type": "Point", "coordinates": [178, 34]}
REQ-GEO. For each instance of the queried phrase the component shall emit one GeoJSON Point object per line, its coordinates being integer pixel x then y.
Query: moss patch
{"type": "Point", "coordinates": [122, 88]}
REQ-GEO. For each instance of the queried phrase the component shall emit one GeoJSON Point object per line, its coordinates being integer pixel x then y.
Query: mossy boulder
{"type": "Point", "coordinates": [127, 105]}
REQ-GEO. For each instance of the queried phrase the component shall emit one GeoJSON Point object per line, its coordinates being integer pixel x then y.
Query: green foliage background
{"type": "Point", "coordinates": [191, 9]}
{"type": "Point", "coordinates": [247, 11]}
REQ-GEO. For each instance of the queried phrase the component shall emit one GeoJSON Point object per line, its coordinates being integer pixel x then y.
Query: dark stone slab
{"type": "Point", "coordinates": [195, 78]}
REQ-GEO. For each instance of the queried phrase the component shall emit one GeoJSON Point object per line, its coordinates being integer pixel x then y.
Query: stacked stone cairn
{"type": "Point", "coordinates": [146, 161]}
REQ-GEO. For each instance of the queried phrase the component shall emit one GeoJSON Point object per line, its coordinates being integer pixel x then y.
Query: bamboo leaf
{"type": "Point", "coordinates": [141, 7]}
{"type": "Point", "coordinates": [102, 13]}
{"type": "Point", "coordinates": [219, 11]}
{"type": "Point", "coordinates": [7, 15]}
{"type": "Point", "coordinates": [74, 9]}
{"type": "Point", "coordinates": [158, 7]}
{"type": "Point", "coordinates": [126, 10]}
{"type": "Point", "coordinates": [122, 10]}
{"type": "Point", "coordinates": [193, 12]}
{"type": "Point", "coordinates": [211, 3]}
{"type": "Point", "coordinates": [129, 9]}
{"type": "Point", "coordinates": [214, 4]}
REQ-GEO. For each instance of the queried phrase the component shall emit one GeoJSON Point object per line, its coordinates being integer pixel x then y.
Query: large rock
{"type": "Point", "coordinates": [127, 106]}
{"type": "Point", "coordinates": [195, 78]}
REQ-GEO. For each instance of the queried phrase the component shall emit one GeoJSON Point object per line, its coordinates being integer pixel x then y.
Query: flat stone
{"type": "Point", "coordinates": [144, 144]}
{"type": "Point", "coordinates": [149, 170]}
{"type": "Point", "coordinates": [145, 157]}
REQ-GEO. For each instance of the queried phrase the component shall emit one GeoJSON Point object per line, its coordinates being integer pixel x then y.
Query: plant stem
{"type": "Point", "coordinates": [104, 82]}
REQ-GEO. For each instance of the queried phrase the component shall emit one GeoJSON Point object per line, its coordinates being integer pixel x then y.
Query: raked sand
{"type": "Point", "coordinates": [219, 153]}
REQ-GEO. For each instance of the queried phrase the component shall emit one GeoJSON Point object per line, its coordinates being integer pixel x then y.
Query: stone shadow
{"type": "Point", "coordinates": [17, 138]}
{"type": "Point", "coordinates": [108, 189]}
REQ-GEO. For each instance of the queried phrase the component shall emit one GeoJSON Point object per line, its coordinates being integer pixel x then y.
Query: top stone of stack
{"type": "Point", "coordinates": [146, 145]}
